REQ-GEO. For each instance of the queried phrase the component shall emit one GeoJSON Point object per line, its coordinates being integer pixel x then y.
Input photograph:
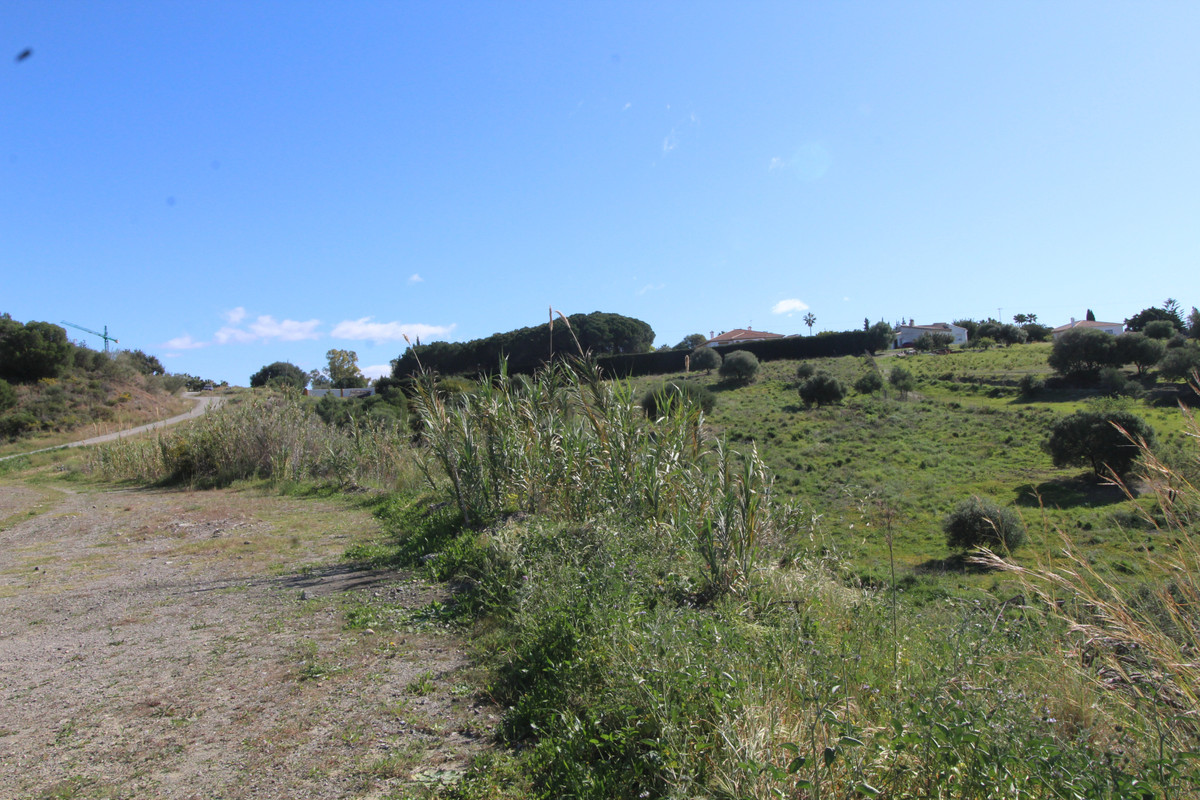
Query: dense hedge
{"type": "Point", "coordinates": [824, 345]}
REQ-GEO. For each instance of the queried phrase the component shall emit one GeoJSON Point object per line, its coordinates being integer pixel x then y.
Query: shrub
{"type": "Point", "coordinates": [1083, 350]}
{"type": "Point", "coordinates": [821, 389]}
{"type": "Point", "coordinates": [705, 358]}
{"type": "Point", "coordinates": [1140, 350]}
{"type": "Point", "coordinates": [739, 366]}
{"type": "Point", "coordinates": [978, 522]}
{"type": "Point", "coordinates": [1159, 329]}
{"type": "Point", "coordinates": [1031, 385]}
{"type": "Point", "coordinates": [1093, 438]}
{"type": "Point", "coordinates": [8, 395]}
{"type": "Point", "coordinates": [868, 383]}
{"type": "Point", "coordinates": [1179, 362]}
{"type": "Point", "coordinates": [673, 396]}
{"type": "Point", "coordinates": [933, 341]}
{"type": "Point", "coordinates": [805, 371]}
{"type": "Point", "coordinates": [902, 380]}
{"type": "Point", "coordinates": [17, 423]}
{"type": "Point", "coordinates": [33, 350]}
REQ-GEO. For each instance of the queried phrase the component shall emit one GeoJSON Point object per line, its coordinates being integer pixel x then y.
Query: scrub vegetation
{"type": "Point", "coordinates": [779, 598]}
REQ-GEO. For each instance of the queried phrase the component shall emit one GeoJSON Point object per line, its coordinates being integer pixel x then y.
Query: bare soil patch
{"type": "Point", "coordinates": [178, 644]}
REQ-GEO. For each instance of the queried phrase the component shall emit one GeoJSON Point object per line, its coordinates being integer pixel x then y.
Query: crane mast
{"type": "Point", "coordinates": [103, 336]}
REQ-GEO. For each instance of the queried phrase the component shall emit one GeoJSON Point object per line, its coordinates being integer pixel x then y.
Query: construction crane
{"type": "Point", "coordinates": [103, 336]}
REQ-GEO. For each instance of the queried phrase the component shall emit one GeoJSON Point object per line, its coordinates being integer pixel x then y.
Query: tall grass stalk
{"type": "Point", "coordinates": [267, 436]}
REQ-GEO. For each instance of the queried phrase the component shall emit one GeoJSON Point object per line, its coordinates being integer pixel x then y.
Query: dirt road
{"type": "Point", "coordinates": [177, 644]}
{"type": "Point", "coordinates": [204, 403]}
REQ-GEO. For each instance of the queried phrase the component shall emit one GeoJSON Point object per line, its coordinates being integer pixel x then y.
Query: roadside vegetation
{"type": "Point", "coordinates": [782, 595]}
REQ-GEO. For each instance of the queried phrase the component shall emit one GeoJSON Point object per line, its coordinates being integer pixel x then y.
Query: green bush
{"type": "Point", "coordinates": [1094, 438]}
{"type": "Point", "coordinates": [1159, 329]}
{"type": "Point", "coordinates": [1031, 385]}
{"type": "Point", "coordinates": [739, 366]}
{"type": "Point", "coordinates": [672, 396]}
{"type": "Point", "coordinates": [977, 522]}
{"type": "Point", "coordinates": [868, 383]}
{"type": "Point", "coordinates": [280, 374]}
{"type": "Point", "coordinates": [902, 380]}
{"type": "Point", "coordinates": [8, 395]}
{"type": "Point", "coordinates": [1179, 362]}
{"type": "Point", "coordinates": [17, 423]}
{"type": "Point", "coordinates": [805, 371]}
{"type": "Point", "coordinates": [822, 389]}
{"type": "Point", "coordinates": [705, 358]}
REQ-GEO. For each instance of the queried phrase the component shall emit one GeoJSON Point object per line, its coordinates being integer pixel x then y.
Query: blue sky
{"type": "Point", "coordinates": [227, 184]}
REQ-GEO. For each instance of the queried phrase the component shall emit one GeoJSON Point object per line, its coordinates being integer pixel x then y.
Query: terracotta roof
{"type": "Point", "coordinates": [743, 335]}
{"type": "Point", "coordinates": [1088, 323]}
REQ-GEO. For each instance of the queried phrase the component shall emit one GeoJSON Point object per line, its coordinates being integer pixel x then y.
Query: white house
{"type": "Point", "coordinates": [906, 335]}
{"type": "Point", "coordinates": [1112, 328]}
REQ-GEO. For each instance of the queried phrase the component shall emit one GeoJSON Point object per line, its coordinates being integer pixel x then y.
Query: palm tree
{"type": "Point", "coordinates": [810, 319]}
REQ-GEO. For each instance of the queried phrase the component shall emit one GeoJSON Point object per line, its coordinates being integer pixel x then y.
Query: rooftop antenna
{"type": "Point", "coordinates": [103, 336]}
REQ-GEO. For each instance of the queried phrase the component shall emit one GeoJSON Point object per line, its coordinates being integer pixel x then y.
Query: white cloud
{"type": "Point", "coordinates": [670, 142]}
{"type": "Point", "coordinates": [777, 163]}
{"type": "Point", "coordinates": [627, 106]}
{"type": "Point", "coordinates": [651, 287]}
{"type": "Point", "coordinates": [377, 370]}
{"type": "Point", "coordinates": [380, 332]}
{"type": "Point", "coordinates": [288, 330]}
{"type": "Point", "coordinates": [235, 316]}
{"type": "Point", "coordinates": [227, 335]}
{"type": "Point", "coordinates": [415, 278]}
{"type": "Point", "coordinates": [185, 342]}
{"type": "Point", "coordinates": [265, 327]}
{"type": "Point", "coordinates": [789, 306]}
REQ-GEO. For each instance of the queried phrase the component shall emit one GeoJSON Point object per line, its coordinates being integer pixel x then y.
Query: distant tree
{"type": "Point", "coordinates": [1003, 333]}
{"type": "Point", "coordinates": [1194, 323]}
{"type": "Point", "coordinates": [1021, 319]}
{"type": "Point", "coordinates": [1095, 438]}
{"type": "Point", "coordinates": [740, 366]}
{"type": "Point", "coordinates": [869, 382]}
{"type": "Point", "coordinates": [933, 340]}
{"type": "Point", "coordinates": [982, 523]}
{"type": "Point", "coordinates": [1179, 363]}
{"type": "Point", "coordinates": [1091, 315]}
{"type": "Point", "coordinates": [902, 380]}
{"type": "Point", "coordinates": [1172, 307]}
{"type": "Point", "coordinates": [280, 373]}
{"type": "Point", "coordinates": [1031, 385]}
{"type": "Point", "coordinates": [866, 323]}
{"type": "Point", "coordinates": [691, 341]}
{"type": "Point", "coordinates": [810, 319]}
{"type": "Point", "coordinates": [1138, 349]}
{"type": "Point", "coordinates": [1160, 329]}
{"type": "Point", "coordinates": [1140, 320]}
{"type": "Point", "coordinates": [706, 358]}
{"type": "Point", "coordinates": [1082, 350]}
{"type": "Point", "coordinates": [970, 325]}
{"type": "Point", "coordinates": [147, 365]}
{"type": "Point", "coordinates": [343, 370]}
{"type": "Point", "coordinates": [318, 379]}
{"type": "Point", "coordinates": [880, 336]}
{"type": "Point", "coordinates": [1036, 332]}
{"type": "Point", "coordinates": [32, 351]}
{"type": "Point", "coordinates": [822, 389]}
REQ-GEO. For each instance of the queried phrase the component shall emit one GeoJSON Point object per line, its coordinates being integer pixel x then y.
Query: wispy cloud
{"type": "Point", "coordinates": [627, 106]}
{"type": "Point", "coordinates": [379, 332]}
{"type": "Point", "coordinates": [651, 287]}
{"type": "Point", "coordinates": [789, 306]}
{"type": "Point", "coordinates": [670, 142]}
{"type": "Point", "coordinates": [185, 342]}
{"type": "Point", "coordinates": [415, 278]}
{"type": "Point", "coordinates": [264, 327]}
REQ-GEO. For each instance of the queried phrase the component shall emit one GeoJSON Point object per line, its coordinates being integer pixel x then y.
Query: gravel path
{"type": "Point", "coordinates": [204, 403]}
{"type": "Point", "coordinates": [176, 644]}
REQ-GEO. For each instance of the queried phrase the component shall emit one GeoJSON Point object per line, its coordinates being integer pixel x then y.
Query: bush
{"type": "Point", "coordinates": [739, 366]}
{"type": "Point", "coordinates": [1083, 350]}
{"type": "Point", "coordinates": [1179, 362]}
{"type": "Point", "coordinates": [1140, 350]}
{"type": "Point", "coordinates": [17, 424]}
{"type": "Point", "coordinates": [8, 395]}
{"type": "Point", "coordinates": [805, 371]}
{"type": "Point", "coordinates": [868, 383]}
{"type": "Point", "coordinates": [705, 358]}
{"type": "Point", "coordinates": [1031, 385]}
{"type": "Point", "coordinates": [1159, 329]}
{"type": "Point", "coordinates": [671, 396]}
{"type": "Point", "coordinates": [982, 523]}
{"type": "Point", "coordinates": [821, 389]}
{"type": "Point", "coordinates": [902, 380]}
{"type": "Point", "coordinates": [1114, 382]}
{"type": "Point", "coordinates": [33, 350]}
{"type": "Point", "coordinates": [933, 341]}
{"type": "Point", "coordinates": [1093, 438]}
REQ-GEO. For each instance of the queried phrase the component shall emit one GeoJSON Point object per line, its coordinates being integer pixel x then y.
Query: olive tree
{"type": "Point", "coordinates": [280, 373]}
{"type": "Point", "coordinates": [705, 358]}
{"type": "Point", "coordinates": [1083, 350]}
{"type": "Point", "coordinates": [978, 522]}
{"type": "Point", "coordinates": [1102, 439]}
{"type": "Point", "coordinates": [822, 389]}
{"type": "Point", "coordinates": [740, 366]}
